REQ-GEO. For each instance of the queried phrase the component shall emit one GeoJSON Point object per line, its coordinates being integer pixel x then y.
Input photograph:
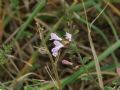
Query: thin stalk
{"type": "Point", "coordinates": [113, 30]}
{"type": "Point", "coordinates": [101, 57]}
{"type": "Point", "coordinates": [83, 65]}
{"type": "Point", "coordinates": [54, 67]}
{"type": "Point", "coordinates": [94, 52]}
{"type": "Point", "coordinates": [75, 76]}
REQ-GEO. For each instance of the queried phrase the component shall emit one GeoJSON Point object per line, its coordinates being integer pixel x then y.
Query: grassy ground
{"type": "Point", "coordinates": [92, 56]}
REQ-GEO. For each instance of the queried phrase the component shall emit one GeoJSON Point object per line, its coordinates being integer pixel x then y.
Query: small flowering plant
{"type": "Point", "coordinates": [59, 42]}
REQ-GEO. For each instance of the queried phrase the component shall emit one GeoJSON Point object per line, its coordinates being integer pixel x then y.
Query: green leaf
{"type": "Point", "coordinates": [108, 88]}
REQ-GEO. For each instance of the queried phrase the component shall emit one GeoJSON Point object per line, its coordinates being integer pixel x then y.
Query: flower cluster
{"type": "Point", "coordinates": [57, 42]}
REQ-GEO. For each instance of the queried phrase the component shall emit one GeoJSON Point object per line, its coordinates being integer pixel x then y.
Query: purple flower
{"type": "Point", "coordinates": [57, 43]}
{"type": "Point", "coordinates": [57, 47]}
{"type": "Point", "coordinates": [55, 37]}
{"type": "Point", "coordinates": [68, 36]}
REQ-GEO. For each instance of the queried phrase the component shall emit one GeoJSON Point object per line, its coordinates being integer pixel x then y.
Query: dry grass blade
{"type": "Point", "coordinates": [51, 76]}
{"type": "Point", "coordinates": [94, 52]}
{"type": "Point", "coordinates": [114, 9]}
{"type": "Point", "coordinates": [99, 14]}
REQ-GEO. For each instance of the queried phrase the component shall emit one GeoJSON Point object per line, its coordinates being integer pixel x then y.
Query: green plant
{"type": "Point", "coordinates": [4, 51]}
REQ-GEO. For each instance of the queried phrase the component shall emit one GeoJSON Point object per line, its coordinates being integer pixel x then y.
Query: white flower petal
{"type": "Point", "coordinates": [57, 43]}
{"type": "Point", "coordinates": [57, 47]}
{"type": "Point", "coordinates": [55, 37]}
{"type": "Point", "coordinates": [55, 54]}
{"type": "Point", "coordinates": [68, 36]}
